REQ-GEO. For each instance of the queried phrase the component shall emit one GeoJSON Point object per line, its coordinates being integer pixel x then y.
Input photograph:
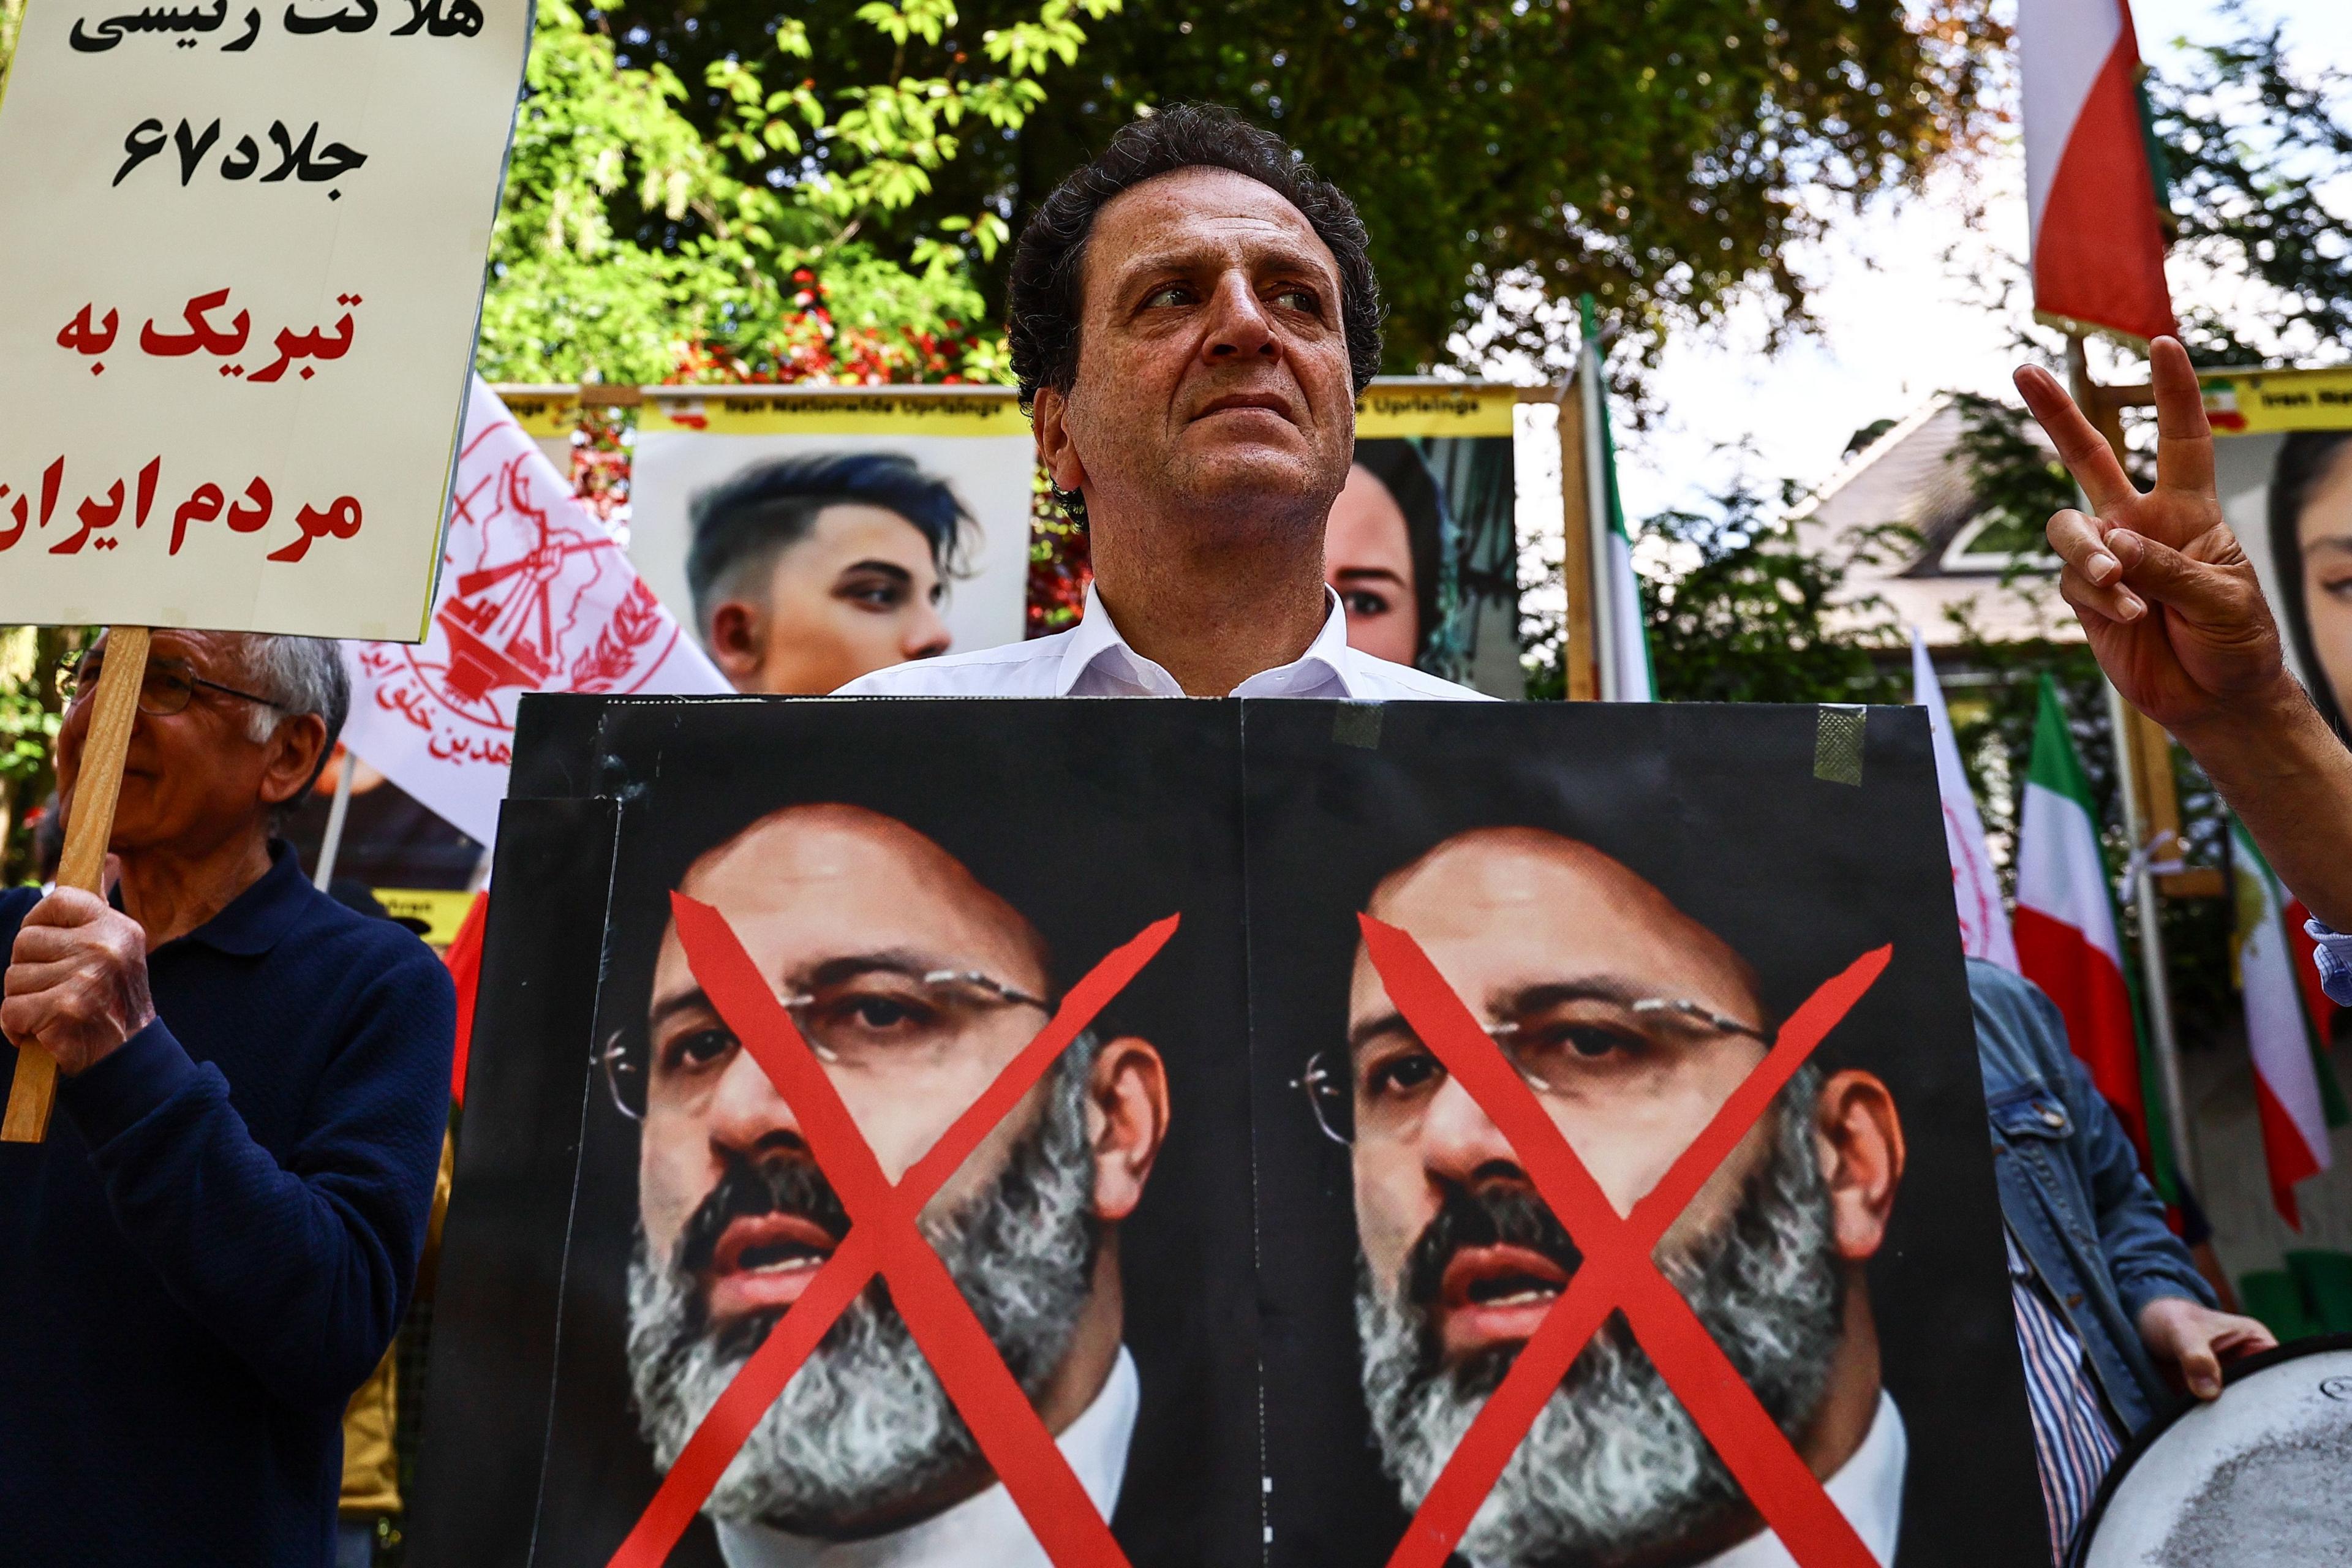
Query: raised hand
{"type": "Point", "coordinates": [2163, 589]}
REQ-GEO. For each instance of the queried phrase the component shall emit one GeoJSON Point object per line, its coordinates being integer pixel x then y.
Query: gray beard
{"type": "Point", "coordinates": [1614, 1467]}
{"type": "Point", "coordinates": [864, 1427]}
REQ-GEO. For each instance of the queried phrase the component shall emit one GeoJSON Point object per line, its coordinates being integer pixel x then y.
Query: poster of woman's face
{"type": "Point", "coordinates": [2288, 495]}
{"type": "Point", "coordinates": [1422, 551]}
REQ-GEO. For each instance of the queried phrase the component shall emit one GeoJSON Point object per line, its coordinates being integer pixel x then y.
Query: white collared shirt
{"type": "Point", "coordinates": [985, 1531]}
{"type": "Point", "coordinates": [1092, 659]}
{"type": "Point", "coordinates": [1868, 1489]}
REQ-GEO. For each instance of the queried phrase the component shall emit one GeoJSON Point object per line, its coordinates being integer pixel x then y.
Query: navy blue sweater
{"type": "Point", "coordinates": [214, 1246]}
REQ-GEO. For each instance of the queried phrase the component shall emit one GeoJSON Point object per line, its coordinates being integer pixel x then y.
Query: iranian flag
{"type": "Point", "coordinates": [2294, 1090]}
{"type": "Point", "coordinates": [2067, 942]}
{"type": "Point", "coordinates": [2096, 237]}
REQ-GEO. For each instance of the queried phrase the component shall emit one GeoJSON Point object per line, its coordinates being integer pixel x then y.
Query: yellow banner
{"type": "Point", "coordinates": [1388, 408]}
{"type": "Point", "coordinates": [442, 909]}
{"type": "Point", "coordinates": [850, 411]}
{"type": "Point", "coordinates": [1434, 408]}
{"type": "Point", "coordinates": [542, 413]}
{"type": "Point", "coordinates": [2261, 402]}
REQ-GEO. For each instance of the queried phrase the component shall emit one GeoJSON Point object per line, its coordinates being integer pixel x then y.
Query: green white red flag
{"type": "Point", "coordinates": [1622, 649]}
{"type": "Point", "coordinates": [2294, 1091]}
{"type": "Point", "coordinates": [2067, 940]}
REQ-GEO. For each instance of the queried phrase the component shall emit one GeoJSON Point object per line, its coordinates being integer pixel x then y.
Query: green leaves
{"type": "Point", "coordinates": [638, 242]}
{"type": "Point", "coordinates": [1030, 47]}
{"type": "Point", "coordinates": [2256, 151]}
{"type": "Point", "coordinates": [924, 20]}
{"type": "Point", "coordinates": [1506, 155]}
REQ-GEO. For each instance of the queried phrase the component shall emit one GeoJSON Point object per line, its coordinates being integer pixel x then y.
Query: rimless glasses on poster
{"type": "Point", "coordinates": [1552, 1035]}
{"type": "Point", "coordinates": [858, 1015]}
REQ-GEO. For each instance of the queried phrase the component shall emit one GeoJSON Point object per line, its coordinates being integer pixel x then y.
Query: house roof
{"type": "Point", "coordinates": [1894, 511]}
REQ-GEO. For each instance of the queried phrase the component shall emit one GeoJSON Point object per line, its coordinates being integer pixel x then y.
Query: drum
{"type": "Point", "coordinates": [2261, 1477]}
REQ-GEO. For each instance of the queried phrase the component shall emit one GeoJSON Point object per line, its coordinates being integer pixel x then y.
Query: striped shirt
{"type": "Point", "coordinates": [2332, 950]}
{"type": "Point", "coordinates": [2074, 1438]}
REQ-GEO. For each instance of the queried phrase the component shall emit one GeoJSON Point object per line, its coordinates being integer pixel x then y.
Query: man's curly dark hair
{"type": "Point", "coordinates": [1044, 304]}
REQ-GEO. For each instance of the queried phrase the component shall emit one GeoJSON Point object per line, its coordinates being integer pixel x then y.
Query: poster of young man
{"type": "Point", "coordinates": [810, 535]}
{"type": "Point", "coordinates": [922, 887]}
{"type": "Point", "coordinates": [2285, 478]}
{"type": "Point", "coordinates": [1630, 906]}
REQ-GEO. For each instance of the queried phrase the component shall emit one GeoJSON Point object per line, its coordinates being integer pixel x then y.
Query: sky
{"type": "Point", "coordinates": [1895, 322]}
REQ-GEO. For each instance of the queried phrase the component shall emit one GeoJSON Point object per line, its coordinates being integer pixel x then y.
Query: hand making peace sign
{"type": "Point", "coordinates": [2163, 589]}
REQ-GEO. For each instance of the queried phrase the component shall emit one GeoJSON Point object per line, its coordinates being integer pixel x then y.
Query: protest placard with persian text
{"type": "Point", "coordinates": [243, 253]}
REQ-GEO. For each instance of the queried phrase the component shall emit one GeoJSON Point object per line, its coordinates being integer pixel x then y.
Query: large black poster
{"type": "Point", "coordinates": [1268, 1082]}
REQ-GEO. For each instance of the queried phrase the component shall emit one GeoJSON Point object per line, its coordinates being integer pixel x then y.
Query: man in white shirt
{"type": "Point", "coordinates": [1191, 316]}
{"type": "Point", "coordinates": [1634, 1024]}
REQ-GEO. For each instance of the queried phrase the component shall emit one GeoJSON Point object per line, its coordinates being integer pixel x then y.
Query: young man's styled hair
{"type": "Point", "coordinates": [739, 527]}
{"type": "Point", "coordinates": [1042, 305]}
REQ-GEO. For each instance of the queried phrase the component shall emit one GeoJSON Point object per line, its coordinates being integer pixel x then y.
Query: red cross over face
{"type": "Point", "coordinates": [836, 901]}
{"type": "Point", "coordinates": [847, 1031]}
{"type": "Point", "coordinates": [1632, 1030]}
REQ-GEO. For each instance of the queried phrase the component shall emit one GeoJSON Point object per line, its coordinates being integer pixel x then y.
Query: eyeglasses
{"type": "Point", "coordinates": [1379, 1088]}
{"type": "Point", "coordinates": [879, 1017]}
{"type": "Point", "coordinates": [167, 688]}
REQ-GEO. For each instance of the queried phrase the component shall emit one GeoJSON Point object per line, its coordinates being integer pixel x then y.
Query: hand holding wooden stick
{"type": "Point", "coordinates": [90, 824]}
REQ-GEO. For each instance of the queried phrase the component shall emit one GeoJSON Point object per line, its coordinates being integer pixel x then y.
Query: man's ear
{"type": "Point", "coordinates": [1126, 1120]}
{"type": "Point", "coordinates": [1057, 450]}
{"type": "Point", "coordinates": [294, 752]}
{"type": "Point", "coordinates": [735, 641]}
{"type": "Point", "coordinates": [1859, 1139]}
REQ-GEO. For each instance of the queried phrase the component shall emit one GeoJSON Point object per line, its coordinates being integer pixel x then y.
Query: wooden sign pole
{"type": "Point", "coordinates": [1577, 650]}
{"type": "Point", "coordinates": [89, 825]}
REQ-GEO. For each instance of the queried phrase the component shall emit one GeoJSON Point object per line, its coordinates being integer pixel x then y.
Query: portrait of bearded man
{"type": "Point", "coordinates": [915, 985]}
{"type": "Point", "coordinates": [1634, 1024]}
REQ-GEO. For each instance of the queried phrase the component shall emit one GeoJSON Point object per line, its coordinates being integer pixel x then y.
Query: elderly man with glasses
{"type": "Point", "coordinates": [215, 1242]}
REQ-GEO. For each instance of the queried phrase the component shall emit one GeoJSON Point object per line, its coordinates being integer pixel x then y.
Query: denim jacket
{"type": "Point", "coordinates": [2071, 1191]}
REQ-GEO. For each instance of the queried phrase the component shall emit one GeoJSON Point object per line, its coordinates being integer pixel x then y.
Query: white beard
{"type": "Point", "coordinates": [864, 1425]}
{"type": "Point", "coordinates": [1614, 1465]}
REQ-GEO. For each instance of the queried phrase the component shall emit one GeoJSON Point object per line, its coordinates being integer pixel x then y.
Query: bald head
{"type": "Point", "coordinates": [861, 881]}
{"type": "Point", "coordinates": [1534, 904]}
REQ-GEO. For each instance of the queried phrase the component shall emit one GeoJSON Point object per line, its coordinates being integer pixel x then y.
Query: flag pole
{"type": "Point", "coordinates": [330, 843]}
{"type": "Point", "coordinates": [2151, 948]}
{"type": "Point", "coordinates": [1596, 517]}
{"type": "Point", "coordinates": [1580, 640]}
{"type": "Point", "coordinates": [2154, 986]}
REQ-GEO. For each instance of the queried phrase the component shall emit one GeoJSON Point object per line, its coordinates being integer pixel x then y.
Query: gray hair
{"type": "Point", "coordinates": [300, 675]}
